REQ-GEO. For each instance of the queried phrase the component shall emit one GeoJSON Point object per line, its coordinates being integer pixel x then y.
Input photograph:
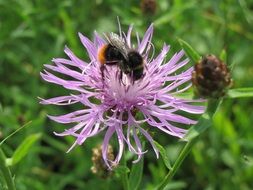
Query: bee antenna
{"type": "Point", "coordinates": [106, 35]}
{"type": "Point", "coordinates": [138, 39]}
{"type": "Point", "coordinates": [120, 31]}
{"type": "Point", "coordinates": [125, 37]}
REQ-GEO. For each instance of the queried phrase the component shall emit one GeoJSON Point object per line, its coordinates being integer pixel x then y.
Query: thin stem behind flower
{"type": "Point", "coordinates": [186, 150]}
{"type": "Point", "coordinates": [124, 175]}
{"type": "Point", "coordinates": [212, 107]}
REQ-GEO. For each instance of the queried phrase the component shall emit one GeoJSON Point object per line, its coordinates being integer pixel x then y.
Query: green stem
{"type": "Point", "coordinates": [124, 176]}
{"type": "Point", "coordinates": [186, 150]}
{"type": "Point", "coordinates": [6, 172]}
{"type": "Point", "coordinates": [212, 106]}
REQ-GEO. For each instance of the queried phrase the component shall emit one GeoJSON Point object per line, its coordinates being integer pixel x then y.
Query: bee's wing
{"type": "Point", "coordinates": [118, 42]}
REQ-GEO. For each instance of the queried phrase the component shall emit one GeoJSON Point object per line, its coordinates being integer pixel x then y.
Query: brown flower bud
{"type": "Point", "coordinates": [99, 167]}
{"type": "Point", "coordinates": [148, 7]}
{"type": "Point", "coordinates": [211, 77]}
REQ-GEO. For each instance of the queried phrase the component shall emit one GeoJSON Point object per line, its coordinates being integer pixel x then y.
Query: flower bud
{"type": "Point", "coordinates": [211, 77]}
{"type": "Point", "coordinates": [99, 167]}
{"type": "Point", "coordinates": [148, 7]}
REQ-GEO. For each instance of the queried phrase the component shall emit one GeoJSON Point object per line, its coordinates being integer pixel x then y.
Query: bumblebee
{"type": "Point", "coordinates": [116, 52]}
{"type": "Point", "coordinates": [136, 64]}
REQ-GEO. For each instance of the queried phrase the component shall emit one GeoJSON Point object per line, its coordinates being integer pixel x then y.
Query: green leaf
{"type": "Point", "coordinates": [176, 185]}
{"type": "Point", "coordinates": [164, 155]}
{"type": "Point", "coordinates": [23, 149]}
{"type": "Point", "coordinates": [223, 56]}
{"type": "Point", "coordinates": [170, 15]}
{"type": "Point", "coordinates": [205, 120]}
{"type": "Point", "coordinates": [191, 53]}
{"type": "Point", "coordinates": [136, 175]}
{"type": "Point", "coordinates": [120, 170]}
{"type": "Point", "coordinates": [240, 93]}
{"type": "Point", "coordinates": [248, 160]}
{"type": "Point", "coordinates": [201, 126]}
{"type": "Point", "coordinates": [68, 28]}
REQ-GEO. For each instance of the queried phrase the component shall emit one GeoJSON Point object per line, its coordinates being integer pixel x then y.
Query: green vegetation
{"type": "Point", "coordinates": [32, 32]}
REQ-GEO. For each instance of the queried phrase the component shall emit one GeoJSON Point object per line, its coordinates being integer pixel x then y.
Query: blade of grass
{"type": "Point", "coordinates": [13, 133]}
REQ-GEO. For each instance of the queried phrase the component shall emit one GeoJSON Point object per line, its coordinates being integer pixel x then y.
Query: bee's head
{"type": "Point", "coordinates": [134, 59]}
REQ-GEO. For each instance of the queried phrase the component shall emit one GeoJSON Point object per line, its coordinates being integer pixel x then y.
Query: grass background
{"type": "Point", "coordinates": [32, 32]}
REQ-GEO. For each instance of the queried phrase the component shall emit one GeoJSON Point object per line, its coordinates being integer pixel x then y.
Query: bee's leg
{"type": "Point", "coordinates": [122, 69]}
{"type": "Point", "coordinates": [137, 73]}
{"type": "Point", "coordinates": [102, 69]}
{"type": "Point", "coordinates": [132, 77]}
{"type": "Point", "coordinates": [121, 75]}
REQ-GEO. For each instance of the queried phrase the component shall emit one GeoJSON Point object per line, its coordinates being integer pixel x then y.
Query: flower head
{"type": "Point", "coordinates": [211, 77]}
{"type": "Point", "coordinates": [112, 102]}
{"type": "Point", "coordinates": [148, 7]}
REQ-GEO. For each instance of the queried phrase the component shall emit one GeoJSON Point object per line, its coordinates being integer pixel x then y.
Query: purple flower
{"type": "Point", "coordinates": [113, 103]}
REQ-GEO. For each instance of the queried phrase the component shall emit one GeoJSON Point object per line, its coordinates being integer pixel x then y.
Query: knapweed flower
{"type": "Point", "coordinates": [148, 7]}
{"type": "Point", "coordinates": [211, 77]}
{"type": "Point", "coordinates": [111, 103]}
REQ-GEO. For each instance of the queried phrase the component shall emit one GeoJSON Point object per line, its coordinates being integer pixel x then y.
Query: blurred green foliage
{"type": "Point", "coordinates": [32, 32]}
